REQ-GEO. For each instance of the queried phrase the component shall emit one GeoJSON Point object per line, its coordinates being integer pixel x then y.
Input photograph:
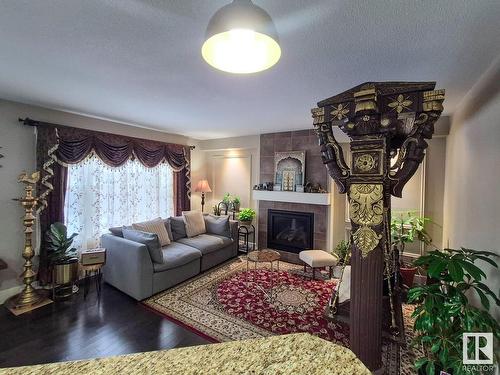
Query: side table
{"type": "Point", "coordinates": [244, 234]}
{"type": "Point", "coordinates": [95, 271]}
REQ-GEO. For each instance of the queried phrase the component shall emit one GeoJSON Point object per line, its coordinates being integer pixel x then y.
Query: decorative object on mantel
{"type": "Point", "coordinates": [202, 187]}
{"type": "Point", "coordinates": [383, 120]}
{"type": "Point", "coordinates": [264, 186]}
{"type": "Point", "coordinates": [309, 187]}
{"type": "Point", "coordinates": [289, 170]}
{"type": "Point", "coordinates": [29, 298]}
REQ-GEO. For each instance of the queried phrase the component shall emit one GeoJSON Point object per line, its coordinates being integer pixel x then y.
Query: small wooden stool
{"type": "Point", "coordinates": [318, 259]}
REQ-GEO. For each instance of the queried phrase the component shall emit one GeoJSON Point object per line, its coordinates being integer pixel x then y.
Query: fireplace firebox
{"type": "Point", "coordinates": [290, 231]}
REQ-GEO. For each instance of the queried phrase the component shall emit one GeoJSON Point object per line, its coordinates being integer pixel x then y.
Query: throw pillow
{"type": "Point", "coordinates": [218, 225]}
{"type": "Point", "coordinates": [116, 231]}
{"type": "Point", "coordinates": [156, 226]}
{"type": "Point", "coordinates": [169, 229]}
{"type": "Point", "coordinates": [149, 239]}
{"type": "Point", "coordinates": [178, 227]}
{"type": "Point", "coordinates": [195, 224]}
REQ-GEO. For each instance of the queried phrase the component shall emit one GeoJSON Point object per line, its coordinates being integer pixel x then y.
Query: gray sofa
{"type": "Point", "coordinates": [129, 266]}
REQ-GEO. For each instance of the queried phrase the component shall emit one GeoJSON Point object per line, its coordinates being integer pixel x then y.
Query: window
{"type": "Point", "coordinates": [99, 197]}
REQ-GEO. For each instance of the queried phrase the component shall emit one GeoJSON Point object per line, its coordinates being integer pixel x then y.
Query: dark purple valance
{"type": "Point", "coordinates": [76, 144]}
{"type": "Point", "coordinates": [58, 146]}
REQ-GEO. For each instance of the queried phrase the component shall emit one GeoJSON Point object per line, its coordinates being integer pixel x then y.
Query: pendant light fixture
{"type": "Point", "coordinates": [241, 38]}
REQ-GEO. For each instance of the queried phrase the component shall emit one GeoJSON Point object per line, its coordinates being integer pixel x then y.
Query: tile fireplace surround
{"type": "Point", "coordinates": [301, 140]}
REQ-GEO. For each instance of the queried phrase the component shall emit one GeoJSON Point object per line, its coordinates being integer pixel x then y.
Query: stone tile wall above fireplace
{"type": "Point", "coordinates": [301, 140]}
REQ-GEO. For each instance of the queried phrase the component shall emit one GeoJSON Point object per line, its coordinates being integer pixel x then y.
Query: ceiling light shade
{"type": "Point", "coordinates": [241, 38]}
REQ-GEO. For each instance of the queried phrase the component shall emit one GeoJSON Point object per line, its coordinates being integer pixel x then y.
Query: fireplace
{"type": "Point", "coordinates": [290, 230]}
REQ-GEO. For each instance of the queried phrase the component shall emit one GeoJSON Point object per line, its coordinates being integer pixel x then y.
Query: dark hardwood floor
{"type": "Point", "coordinates": [78, 329]}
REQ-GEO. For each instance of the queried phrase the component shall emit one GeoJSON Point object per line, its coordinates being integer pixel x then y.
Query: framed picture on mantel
{"type": "Point", "coordinates": [289, 170]}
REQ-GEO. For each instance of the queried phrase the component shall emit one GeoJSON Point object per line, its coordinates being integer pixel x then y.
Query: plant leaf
{"type": "Point", "coordinates": [456, 272]}
{"type": "Point", "coordinates": [472, 269]}
{"type": "Point", "coordinates": [484, 300]}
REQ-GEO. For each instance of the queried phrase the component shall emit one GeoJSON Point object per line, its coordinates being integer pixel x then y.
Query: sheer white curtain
{"type": "Point", "coordinates": [99, 197]}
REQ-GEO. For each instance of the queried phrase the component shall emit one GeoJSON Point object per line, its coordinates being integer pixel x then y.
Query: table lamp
{"type": "Point", "coordinates": [202, 187]}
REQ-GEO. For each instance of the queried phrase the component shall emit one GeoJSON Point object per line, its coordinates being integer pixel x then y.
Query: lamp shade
{"type": "Point", "coordinates": [241, 38]}
{"type": "Point", "coordinates": [202, 187]}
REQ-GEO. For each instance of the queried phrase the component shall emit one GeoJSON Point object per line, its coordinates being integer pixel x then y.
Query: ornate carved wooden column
{"type": "Point", "coordinates": [385, 121]}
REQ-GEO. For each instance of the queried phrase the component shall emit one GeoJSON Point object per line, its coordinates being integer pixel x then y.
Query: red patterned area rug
{"type": "Point", "coordinates": [232, 303]}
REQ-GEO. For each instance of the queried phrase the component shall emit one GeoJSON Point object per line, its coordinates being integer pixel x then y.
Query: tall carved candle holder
{"type": "Point", "coordinates": [385, 121]}
{"type": "Point", "coordinates": [29, 298]}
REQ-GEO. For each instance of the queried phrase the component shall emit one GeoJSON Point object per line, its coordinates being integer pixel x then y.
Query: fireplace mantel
{"type": "Point", "coordinates": [322, 199]}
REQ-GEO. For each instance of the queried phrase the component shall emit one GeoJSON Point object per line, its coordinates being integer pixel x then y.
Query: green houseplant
{"type": "Point", "coordinates": [246, 215]}
{"type": "Point", "coordinates": [443, 312]}
{"type": "Point", "coordinates": [232, 202]}
{"type": "Point", "coordinates": [342, 252]}
{"type": "Point", "coordinates": [236, 203]}
{"type": "Point", "coordinates": [406, 229]}
{"type": "Point", "coordinates": [61, 255]}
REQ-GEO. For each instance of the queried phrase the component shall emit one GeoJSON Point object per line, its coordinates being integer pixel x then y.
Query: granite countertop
{"type": "Point", "coordinates": [299, 353]}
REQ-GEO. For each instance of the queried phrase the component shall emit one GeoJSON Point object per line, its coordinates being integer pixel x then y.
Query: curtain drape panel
{"type": "Point", "coordinates": [76, 144]}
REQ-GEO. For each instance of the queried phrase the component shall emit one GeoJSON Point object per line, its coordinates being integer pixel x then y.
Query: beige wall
{"type": "Point", "coordinates": [472, 201]}
{"type": "Point", "coordinates": [18, 147]}
{"type": "Point", "coordinates": [207, 156]}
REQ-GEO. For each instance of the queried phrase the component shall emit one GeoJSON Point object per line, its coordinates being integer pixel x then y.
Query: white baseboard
{"type": "Point", "coordinates": [7, 293]}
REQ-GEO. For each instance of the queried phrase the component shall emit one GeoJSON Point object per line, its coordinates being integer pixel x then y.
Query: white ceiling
{"type": "Point", "coordinates": [138, 61]}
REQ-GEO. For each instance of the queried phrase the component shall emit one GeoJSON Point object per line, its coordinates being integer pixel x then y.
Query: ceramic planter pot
{"type": "Point", "coordinates": [246, 222]}
{"type": "Point", "coordinates": [408, 275]}
{"type": "Point", "coordinates": [66, 272]}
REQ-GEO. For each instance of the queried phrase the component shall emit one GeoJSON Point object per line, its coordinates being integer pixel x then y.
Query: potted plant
{"type": "Point", "coordinates": [443, 312]}
{"type": "Point", "coordinates": [235, 203]}
{"type": "Point", "coordinates": [246, 216]}
{"type": "Point", "coordinates": [404, 230]}
{"type": "Point", "coordinates": [342, 252]}
{"type": "Point", "coordinates": [62, 257]}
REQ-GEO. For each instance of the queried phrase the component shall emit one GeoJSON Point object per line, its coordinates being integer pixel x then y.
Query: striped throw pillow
{"type": "Point", "coordinates": [156, 226]}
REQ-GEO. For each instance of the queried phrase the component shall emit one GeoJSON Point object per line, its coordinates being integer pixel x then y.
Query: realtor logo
{"type": "Point", "coordinates": [483, 348]}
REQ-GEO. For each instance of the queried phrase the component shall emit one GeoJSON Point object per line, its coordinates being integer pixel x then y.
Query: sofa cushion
{"type": "Point", "coordinates": [217, 225]}
{"type": "Point", "coordinates": [178, 227]}
{"type": "Point", "coordinates": [149, 239]}
{"type": "Point", "coordinates": [195, 224]}
{"type": "Point", "coordinates": [207, 243]}
{"type": "Point", "coordinates": [176, 255]}
{"type": "Point", "coordinates": [169, 229]}
{"type": "Point", "coordinates": [156, 226]}
{"type": "Point", "coordinates": [116, 231]}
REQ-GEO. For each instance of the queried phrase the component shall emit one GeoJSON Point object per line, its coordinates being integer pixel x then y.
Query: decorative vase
{"type": "Point", "coordinates": [246, 222]}
{"type": "Point", "coordinates": [408, 274]}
